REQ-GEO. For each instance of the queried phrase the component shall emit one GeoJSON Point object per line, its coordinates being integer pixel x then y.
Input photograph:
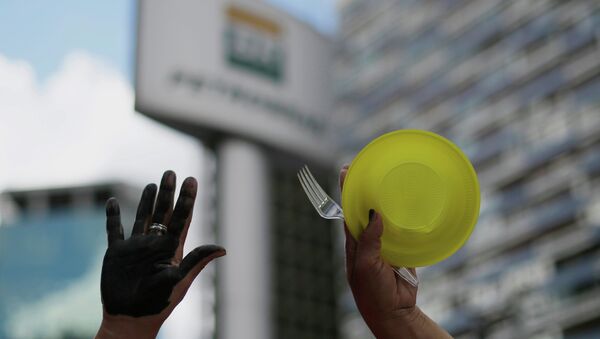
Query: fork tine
{"type": "Point", "coordinates": [311, 186]}
{"type": "Point", "coordinates": [313, 200]}
{"type": "Point", "coordinates": [316, 198]}
{"type": "Point", "coordinates": [309, 194]}
{"type": "Point", "coordinates": [316, 184]}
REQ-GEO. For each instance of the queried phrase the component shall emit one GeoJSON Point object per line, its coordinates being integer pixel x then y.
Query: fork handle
{"type": "Point", "coordinates": [406, 275]}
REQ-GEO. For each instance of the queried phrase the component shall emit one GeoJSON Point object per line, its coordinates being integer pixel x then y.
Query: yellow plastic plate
{"type": "Point", "coordinates": [425, 189]}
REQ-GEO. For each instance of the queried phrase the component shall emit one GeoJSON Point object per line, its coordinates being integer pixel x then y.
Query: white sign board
{"type": "Point", "coordinates": [235, 67]}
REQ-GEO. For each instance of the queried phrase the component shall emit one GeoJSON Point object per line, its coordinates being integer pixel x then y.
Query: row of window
{"type": "Point", "coordinates": [499, 30]}
{"type": "Point", "coordinates": [431, 70]}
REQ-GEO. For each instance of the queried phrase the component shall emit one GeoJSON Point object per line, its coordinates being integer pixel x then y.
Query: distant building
{"type": "Point", "coordinates": [516, 84]}
{"type": "Point", "coordinates": [253, 84]}
{"type": "Point", "coordinates": [51, 246]}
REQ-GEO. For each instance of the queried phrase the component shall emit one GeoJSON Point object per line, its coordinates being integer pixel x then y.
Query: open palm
{"type": "Point", "coordinates": [147, 274]}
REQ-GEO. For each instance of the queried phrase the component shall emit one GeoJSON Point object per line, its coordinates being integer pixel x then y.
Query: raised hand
{"type": "Point", "coordinates": [386, 302]}
{"type": "Point", "coordinates": [145, 276]}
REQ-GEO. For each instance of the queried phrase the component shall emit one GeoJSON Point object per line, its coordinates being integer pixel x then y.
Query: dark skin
{"type": "Point", "coordinates": [145, 276]}
{"type": "Point", "coordinates": [387, 303]}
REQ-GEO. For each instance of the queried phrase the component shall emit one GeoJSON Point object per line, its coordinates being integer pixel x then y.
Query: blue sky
{"type": "Point", "coordinates": [43, 32]}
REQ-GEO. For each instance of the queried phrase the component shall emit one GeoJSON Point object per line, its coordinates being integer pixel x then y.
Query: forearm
{"type": "Point", "coordinates": [408, 324]}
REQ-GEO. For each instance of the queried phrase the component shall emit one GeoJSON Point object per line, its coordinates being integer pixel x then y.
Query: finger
{"type": "Point", "coordinates": [114, 229]}
{"type": "Point", "coordinates": [184, 207]}
{"type": "Point", "coordinates": [195, 261]}
{"type": "Point", "coordinates": [343, 173]}
{"type": "Point", "coordinates": [164, 201]}
{"type": "Point", "coordinates": [350, 252]}
{"type": "Point", "coordinates": [369, 244]}
{"type": "Point", "coordinates": [144, 211]}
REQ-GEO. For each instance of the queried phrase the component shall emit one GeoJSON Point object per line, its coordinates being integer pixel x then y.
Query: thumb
{"type": "Point", "coordinates": [195, 261]}
{"type": "Point", "coordinates": [369, 244]}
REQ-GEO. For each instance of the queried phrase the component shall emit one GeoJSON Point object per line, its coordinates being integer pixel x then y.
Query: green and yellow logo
{"type": "Point", "coordinates": [254, 43]}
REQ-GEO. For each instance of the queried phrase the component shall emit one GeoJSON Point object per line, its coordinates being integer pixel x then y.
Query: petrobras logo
{"type": "Point", "coordinates": [254, 43]}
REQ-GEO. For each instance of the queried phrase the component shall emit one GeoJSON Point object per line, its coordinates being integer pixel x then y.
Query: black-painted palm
{"type": "Point", "coordinates": [146, 274]}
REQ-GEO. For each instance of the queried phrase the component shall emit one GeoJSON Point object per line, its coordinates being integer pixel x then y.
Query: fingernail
{"type": "Point", "coordinates": [112, 207]}
{"type": "Point", "coordinates": [149, 190]}
{"type": "Point", "coordinates": [190, 187]}
{"type": "Point", "coordinates": [168, 179]}
{"type": "Point", "coordinates": [371, 214]}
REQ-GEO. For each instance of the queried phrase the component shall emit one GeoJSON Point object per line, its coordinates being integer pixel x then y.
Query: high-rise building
{"type": "Point", "coordinates": [516, 84]}
{"type": "Point", "coordinates": [52, 241]}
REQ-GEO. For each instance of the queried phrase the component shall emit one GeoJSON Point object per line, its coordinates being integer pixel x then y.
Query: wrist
{"type": "Point", "coordinates": [406, 322]}
{"type": "Point", "coordinates": [121, 327]}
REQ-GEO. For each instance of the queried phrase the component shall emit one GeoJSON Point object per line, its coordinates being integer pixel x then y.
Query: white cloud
{"type": "Point", "coordinates": [80, 127]}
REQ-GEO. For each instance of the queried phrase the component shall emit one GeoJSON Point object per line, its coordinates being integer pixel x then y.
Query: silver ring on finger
{"type": "Point", "coordinates": [158, 229]}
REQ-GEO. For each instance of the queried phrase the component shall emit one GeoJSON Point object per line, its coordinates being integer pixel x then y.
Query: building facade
{"type": "Point", "coordinates": [253, 84]}
{"type": "Point", "coordinates": [52, 241]}
{"type": "Point", "coordinates": [516, 85]}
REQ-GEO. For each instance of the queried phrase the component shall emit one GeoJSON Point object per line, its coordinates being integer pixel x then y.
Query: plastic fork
{"type": "Point", "coordinates": [329, 209]}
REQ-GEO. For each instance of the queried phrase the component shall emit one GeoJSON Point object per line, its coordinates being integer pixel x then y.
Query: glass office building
{"type": "Point", "coordinates": [516, 84]}
{"type": "Point", "coordinates": [52, 241]}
